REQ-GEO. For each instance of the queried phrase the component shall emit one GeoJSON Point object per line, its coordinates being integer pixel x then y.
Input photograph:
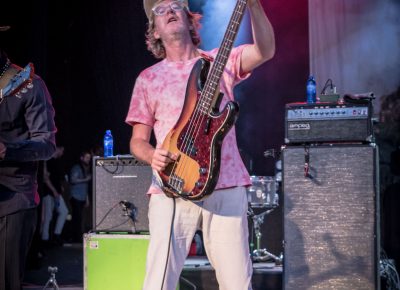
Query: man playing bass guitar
{"type": "Point", "coordinates": [169, 99]}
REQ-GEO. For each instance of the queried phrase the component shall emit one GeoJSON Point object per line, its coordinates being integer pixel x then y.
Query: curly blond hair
{"type": "Point", "coordinates": [156, 47]}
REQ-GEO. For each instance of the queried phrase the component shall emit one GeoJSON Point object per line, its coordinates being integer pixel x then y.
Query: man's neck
{"type": "Point", "coordinates": [180, 51]}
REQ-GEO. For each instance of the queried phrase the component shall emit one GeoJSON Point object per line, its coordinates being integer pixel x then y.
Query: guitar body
{"type": "Point", "coordinates": [19, 83]}
{"type": "Point", "coordinates": [197, 139]}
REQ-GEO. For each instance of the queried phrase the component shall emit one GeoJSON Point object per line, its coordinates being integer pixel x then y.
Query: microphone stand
{"type": "Point", "coordinates": [52, 280]}
{"type": "Point", "coordinates": [258, 254]}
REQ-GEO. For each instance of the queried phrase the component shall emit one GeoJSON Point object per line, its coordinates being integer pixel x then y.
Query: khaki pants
{"type": "Point", "coordinates": [223, 219]}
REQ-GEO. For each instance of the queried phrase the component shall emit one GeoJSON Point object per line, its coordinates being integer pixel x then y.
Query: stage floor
{"type": "Point", "coordinates": [197, 274]}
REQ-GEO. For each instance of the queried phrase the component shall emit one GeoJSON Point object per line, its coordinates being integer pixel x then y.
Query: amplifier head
{"type": "Point", "coordinates": [328, 122]}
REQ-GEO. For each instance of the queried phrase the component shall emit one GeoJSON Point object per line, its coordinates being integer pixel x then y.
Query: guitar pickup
{"type": "Point", "coordinates": [207, 126]}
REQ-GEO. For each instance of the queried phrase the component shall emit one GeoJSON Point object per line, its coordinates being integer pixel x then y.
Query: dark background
{"type": "Point", "coordinates": [90, 52]}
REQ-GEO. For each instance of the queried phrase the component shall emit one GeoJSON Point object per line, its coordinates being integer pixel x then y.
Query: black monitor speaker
{"type": "Point", "coordinates": [120, 202]}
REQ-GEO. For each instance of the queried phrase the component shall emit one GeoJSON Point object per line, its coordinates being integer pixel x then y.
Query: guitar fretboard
{"type": "Point", "coordinates": [209, 91]}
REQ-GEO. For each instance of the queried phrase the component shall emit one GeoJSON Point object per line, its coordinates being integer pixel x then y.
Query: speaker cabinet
{"type": "Point", "coordinates": [331, 217]}
{"type": "Point", "coordinates": [120, 202]}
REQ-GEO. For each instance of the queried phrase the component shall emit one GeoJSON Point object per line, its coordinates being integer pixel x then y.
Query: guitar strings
{"type": "Point", "coordinates": [198, 117]}
{"type": "Point", "coordinates": [200, 113]}
{"type": "Point", "coordinates": [203, 105]}
{"type": "Point", "coordinates": [187, 139]}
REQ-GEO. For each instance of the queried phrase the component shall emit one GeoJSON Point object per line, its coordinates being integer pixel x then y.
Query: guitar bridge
{"type": "Point", "coordinates": [176, 183]}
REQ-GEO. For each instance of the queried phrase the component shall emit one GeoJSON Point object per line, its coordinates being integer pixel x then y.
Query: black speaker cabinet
{"type": "Point", "coordinates": [331, 217]}
{"type": "Point", "coordinates": [120, 202]}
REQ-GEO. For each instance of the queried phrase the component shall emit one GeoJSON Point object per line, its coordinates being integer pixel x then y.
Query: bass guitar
{"type": "Point", "coordinates": [198, 134]}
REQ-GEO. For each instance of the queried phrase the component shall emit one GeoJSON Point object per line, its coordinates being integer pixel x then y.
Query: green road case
{"type": "Point", "coordinates": [114, 261]}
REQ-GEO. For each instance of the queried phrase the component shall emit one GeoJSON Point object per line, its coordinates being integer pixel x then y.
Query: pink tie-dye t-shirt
{"type": "Point", "coordinates": [158, 98]}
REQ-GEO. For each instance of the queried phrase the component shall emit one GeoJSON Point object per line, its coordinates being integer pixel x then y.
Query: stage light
{"type": "Point", "coordinates": [216, 15]}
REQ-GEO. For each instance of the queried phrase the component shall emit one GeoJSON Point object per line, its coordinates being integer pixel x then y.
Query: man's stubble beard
{"type": "Point", "coordinates": [176, 36]}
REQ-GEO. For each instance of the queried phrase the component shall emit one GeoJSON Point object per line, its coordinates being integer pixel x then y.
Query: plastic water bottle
{"type": "Point", "coordinates": [108, 144]}
{"type": "Point", "coordinates": [311, 90]}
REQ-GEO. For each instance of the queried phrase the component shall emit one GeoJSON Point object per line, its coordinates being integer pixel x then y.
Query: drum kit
{"type": "Point", "coordinates": [262, 195]}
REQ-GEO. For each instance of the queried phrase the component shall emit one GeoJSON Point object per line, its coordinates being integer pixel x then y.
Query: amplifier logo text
{"type": "Point", "coordinates": [299, 126]}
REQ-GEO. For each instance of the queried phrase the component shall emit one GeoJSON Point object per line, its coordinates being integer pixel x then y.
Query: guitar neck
{"type": "Point", "coordinates": [210, 88]}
